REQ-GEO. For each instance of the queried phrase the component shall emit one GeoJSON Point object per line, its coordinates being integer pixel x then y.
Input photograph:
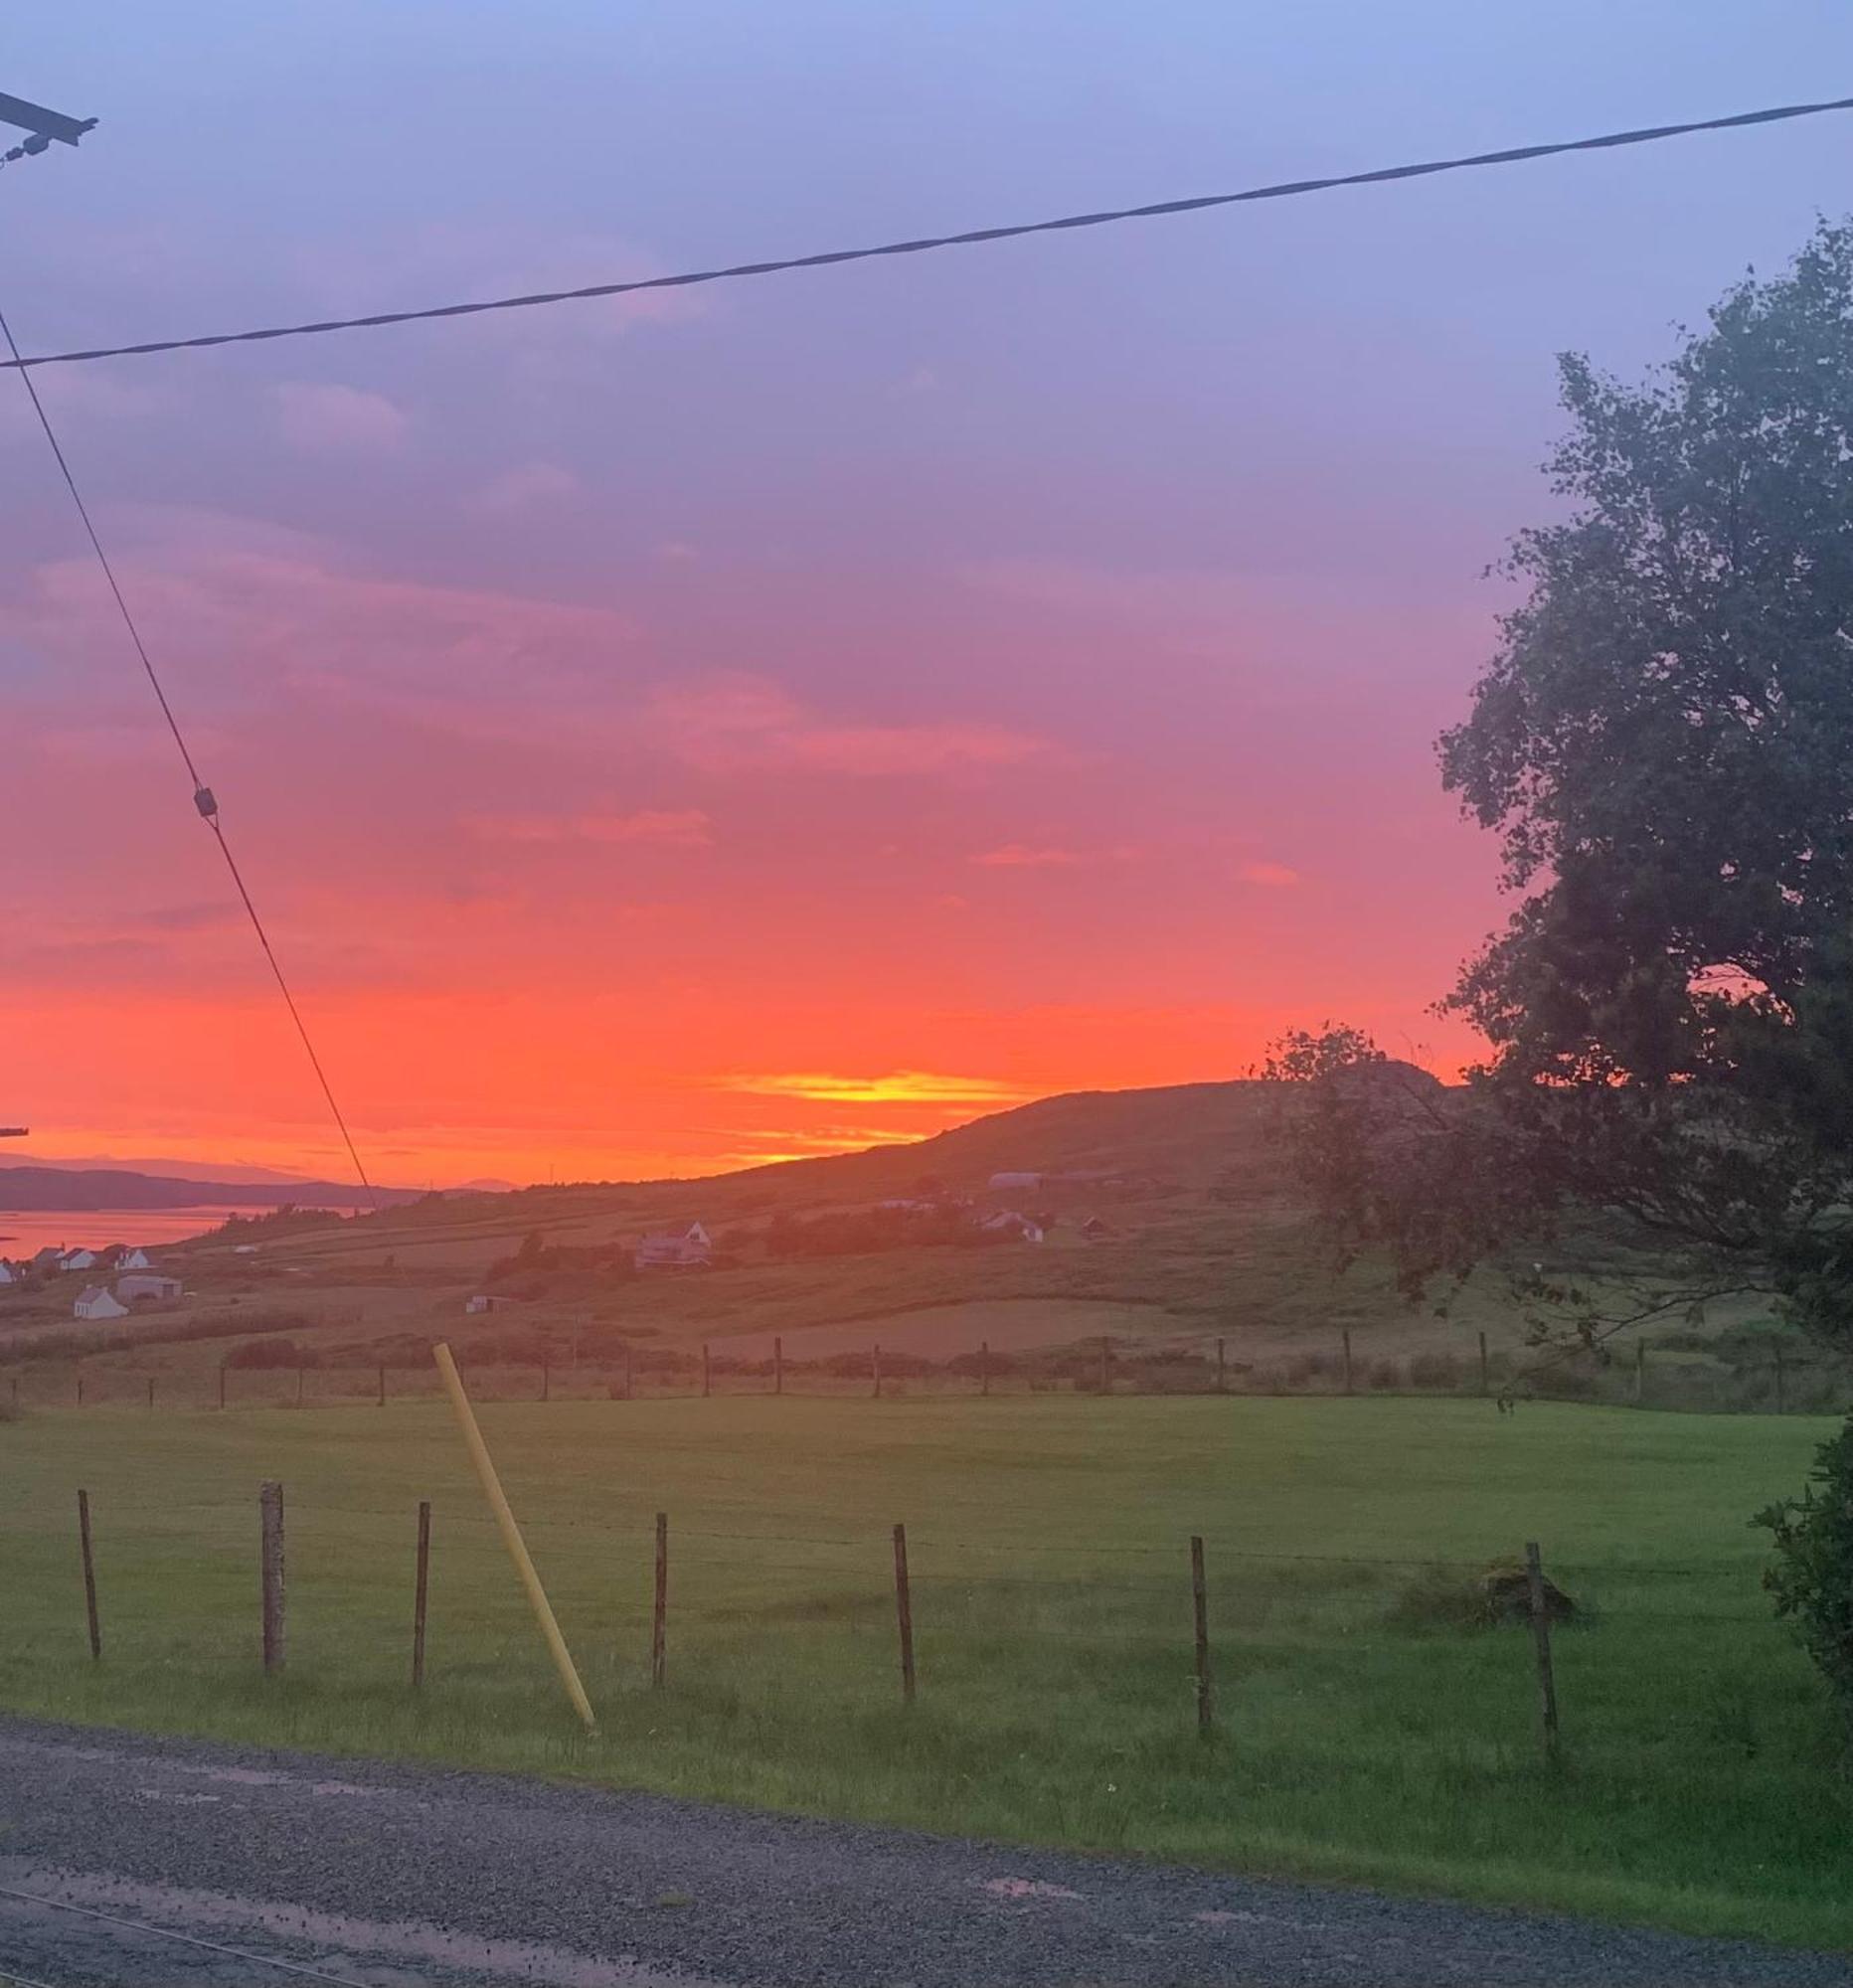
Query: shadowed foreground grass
{"type": "Point", "coordinates": [1359, 1735]}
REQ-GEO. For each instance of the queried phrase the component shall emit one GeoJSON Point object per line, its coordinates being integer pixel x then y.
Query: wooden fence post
{"type": "Point", "coordinates": [874, 1369]}
{"type": "Point", "coordinates": [904, 1613]}
{"type": "Point", "coordinates": [1222, 1368]}
{"type": "Point", "coordinates": [14, 1383]}
{"type": "Point", "coordinates": [1782, 1391]}
{"type": "Point", "coordinates": [222, 1384]}
{"type": "Point", "coordinates": [151, 1391]}
{"type": "Point", "coordinates": [79, 1387]}
{"type": "Point", "coordinates": [628, 1373]}
{"type": "Point", "coordinates": [547, 1382]}
{"type": "Point", "coordinates": [1640, 1371]}
{"type": "Point", "coordinates": [421, 1588]}
{"type": "Point", "coordinates": [90, 1576]}
{"type": "Point", "coordinates": [1345, 1341]}
{"type": "Point", "coordinates": [707, 1372]}
{"type": "Point", "coordinates": [1485, 1369]}
{"type": "Point", "coordinates": [778, 1366]}
{"type": "Point", "coordinates": [382, 1384]}
{"type": "Point", "coordinates": [1200, 1609]}
{"type": "Point", "coordinates": [659, 1614]}
{"type": "Point", "coordinates": [1540, 1636]}
{"type": "Point", "coordinates": [984, 1367]}
{"type": "Point", "coordinates": [298, 1386]}
{"type": "Point", "coordinates": [270, 1504]}
{"type": "Point", "coordinates": [1106, 1379]}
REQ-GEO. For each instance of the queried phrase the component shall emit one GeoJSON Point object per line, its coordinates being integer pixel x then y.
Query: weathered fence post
{"type": "Point", "coordinates": [421, 1588]}
{"type": "Point", "coordinates": [1485, 1369]}
{"type": "Point", "coordinates": [151, 1391]}
{"type": "Point", "coordinates": [298, 1386]}
{"type": "Point", "coordinates": [1640, 1371]}
{"type": "Point", "coordinates": [659, 1614]}
{"type": "Point", "coordinates": [778, 1366]}
{"type": "Point", "coordinates": [1540, 1636]}
{"type": "Point", "coordinates": [14, 1383]}
{"type": "Point", "coordinates": [1106, 1379]}
{"type": "Point", "coordinates": [904, 1613]}
{"type": "Point", "coordinates": [628, 1373]}
{"type": "Point", "coordinates": [984, 1367]}
{"type": "Point", "coordinates": [1222, 1367]}
{"type": "Point", "coordinates": [79, 1387]}
{"type": "Point", "coordinates": [875, 1370]}
{"type": "Point", "coordinates": [1200, 1608]}
{"type": "Point", "coordinates": [547, 1382]}
{"type": "Point", "coordinates": [383, 1384]}
{"type": "Point", "coordinates": [1345, 1344]}
{"type": "Point", "coordinates": [707, 1372]}
{"type": "Point", "coordinates": [90, 1576]}
{"type": "Point", "coordinates": [1781, 1389]}
{"type": "Point", "coordinates": [222, 1384]}
{"type": "Point", "coordinates": [270, 1504]}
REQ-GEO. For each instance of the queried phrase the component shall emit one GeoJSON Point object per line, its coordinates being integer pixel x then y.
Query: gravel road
{"type": "Point", "coordinates": [394, 1876]}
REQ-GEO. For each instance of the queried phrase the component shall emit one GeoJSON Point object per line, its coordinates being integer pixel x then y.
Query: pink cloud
{"type": "Point", "coordinates": [331, 419]}
{"type": "Point", "coordinates": [1025, 856]}
{"type": "Point", "coordinates": [668, 828]}
{"type": "Point", "coordinates": [735, 720]}
{"type": "Point", "coordinates": [1269, 875]}
{"type": "Point", "coordinates": [525, 488]}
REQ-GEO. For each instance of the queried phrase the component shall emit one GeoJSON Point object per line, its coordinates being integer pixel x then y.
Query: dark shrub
{"type": "Point", "coordinates": [1812, 1578]}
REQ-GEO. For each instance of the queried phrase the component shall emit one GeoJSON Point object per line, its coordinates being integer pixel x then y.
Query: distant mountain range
{"type": "Point", "coordinates": [27, 1188]}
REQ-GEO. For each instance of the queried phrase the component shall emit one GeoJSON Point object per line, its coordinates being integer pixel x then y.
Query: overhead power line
{"type": "Point", "coordinates": [203, 799]}
{"type": "Point", "coordinates": [1284, 190]}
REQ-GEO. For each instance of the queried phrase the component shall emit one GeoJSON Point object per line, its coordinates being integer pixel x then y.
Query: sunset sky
{"type": "Point", "coordinates": [739, 723]}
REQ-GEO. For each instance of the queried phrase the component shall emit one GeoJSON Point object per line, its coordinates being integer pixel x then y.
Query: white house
{"type": "Point", "coordinates": [7, 1275]}
{"type": "Point", "coordinates": [147, 1285]}
{"type": "Point", "coordinates": [77, 1259]}
{"type": "Point", "coordinates": [1016, 1180]}
{"type": "Point", "coordinates": [481, 1303]}
{"type": "Point", "coordinates": [94, 1302]}
{"type": "Point", "coordinates": [690, 1250]}
{"type": "Point", "coordinates": [134, 1260]}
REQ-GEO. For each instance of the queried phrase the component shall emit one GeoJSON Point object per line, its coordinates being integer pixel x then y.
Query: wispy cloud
{"type": "Point", "coordinates": [527, 487]}
{"type": "Point", "coordinates": [668, 828]}
{"type": "Point", "coordinates": [895, 1086]}
{"type": "Point", "coordinates": [1269, 875]}
{"type": "Point", "coordinates": [736, 720]}
{"type": "Point", "coordinates": [331, 419]}
{"type": "Point", "coordinates": [1028, 856]}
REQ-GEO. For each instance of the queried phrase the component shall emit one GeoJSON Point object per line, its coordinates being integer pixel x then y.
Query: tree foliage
{"type": "Point", "coordinates": [1663, 745]}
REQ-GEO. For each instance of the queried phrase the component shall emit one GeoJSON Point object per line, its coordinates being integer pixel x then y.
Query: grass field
{"type": "Point", "coordinates": [1361, 1736]}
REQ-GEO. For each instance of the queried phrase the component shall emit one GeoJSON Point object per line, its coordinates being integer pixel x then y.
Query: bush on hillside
{"type": "Point", "coordinates": [1812, 1578]}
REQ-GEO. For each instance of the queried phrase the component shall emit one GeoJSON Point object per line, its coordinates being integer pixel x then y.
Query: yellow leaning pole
{"type": "Point", "coordinates": [511, 1533]}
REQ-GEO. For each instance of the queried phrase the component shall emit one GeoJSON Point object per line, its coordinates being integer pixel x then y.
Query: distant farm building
{"type": "Point", "coordinates": [77, 1259]}
{"type": "Point", "coordinates": [692, 1249]}
{"type": "Point", "coordinates": [483, 1302]}
{"type": "Point", "coordinates": [8, 1276]}
{"type": "Point", "coordinates": [148, 1285]}
{"type": "Point", "coordinates": [134, 1260]}
{"type": "Point", "coordinates": [1096, 1229]}
{"type": "Point", "coordinates": [95, 1301]}
{"type": "Point", "coordinates": [1009, 1180]}
{"type": "Point", "coordinates": [1008, 1223]}
{"type": "Point", "coordinates": [48, 1259]}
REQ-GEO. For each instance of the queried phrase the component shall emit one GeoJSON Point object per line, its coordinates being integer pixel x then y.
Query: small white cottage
{"type": "Point", "coordinates": [134, 1260]}
{"type": "Point", "coordinates": [95, 1301]}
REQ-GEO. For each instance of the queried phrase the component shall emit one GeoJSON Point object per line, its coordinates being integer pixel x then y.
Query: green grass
{"type": "Point", "coordinates": [1363, 1736]}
